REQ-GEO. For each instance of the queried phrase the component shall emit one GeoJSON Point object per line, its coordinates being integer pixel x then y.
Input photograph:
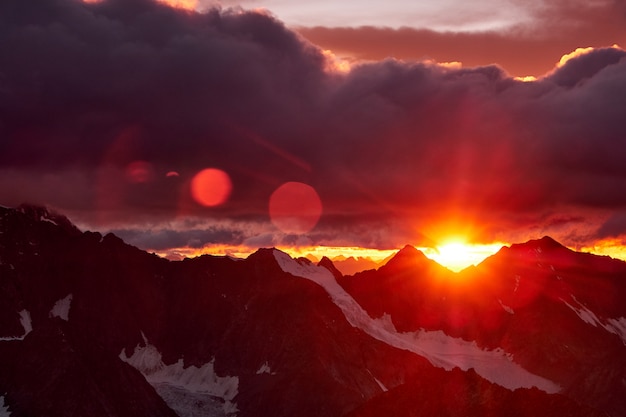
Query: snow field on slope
{"type": "Point", "coordinates": [61, 308]}
{"type": "Point", "coordinates": [191, 381]}
{"type": "Point", "coordinates": [4, 409]}
{"type": "Point", "coordinates": [440, 349]}
{"type": "Point", "coordinates": [615, 326]}
{"type": "Point", "coordinates": [26, 323]}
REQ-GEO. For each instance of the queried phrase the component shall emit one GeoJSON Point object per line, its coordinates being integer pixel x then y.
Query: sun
{"type": "Point", "coordinates": [457, 254]}
{"type": "Point", "coordinates": [454, 255]}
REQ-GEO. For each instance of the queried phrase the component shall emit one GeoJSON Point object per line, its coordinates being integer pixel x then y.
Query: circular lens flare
{"type": "Point", "coordinates": [295, 207]}
{"type": "Point", "coordinates": [211, 187]}
{"type": "Point", "coordinates": [139, 172]}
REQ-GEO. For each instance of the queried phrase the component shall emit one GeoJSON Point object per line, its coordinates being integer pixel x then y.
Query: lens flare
{"type": "Point", "coordinates": [139, 172]}
{"type": "Point", "coordinates": [211, 187]}
{"type": "Point", "coordinates": [295, 207]}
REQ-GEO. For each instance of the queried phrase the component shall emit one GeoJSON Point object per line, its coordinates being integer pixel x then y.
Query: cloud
{"type": "Point", "coordinates": [614, 226]}
{"type": "Point", "coordinates": [519, 55]}
{"type": "Point", "coordinates": [530, 48]}
{"type": "Point", "coordinates": [584, 63]}
{"type": "Point", "coordinates": [162, 239]}
{"type": "Point", "coordinates": [102, 102]}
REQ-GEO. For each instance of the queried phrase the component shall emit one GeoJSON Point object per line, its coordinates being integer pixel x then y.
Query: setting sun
{"type": "Point", "coordinates": [457, 255]}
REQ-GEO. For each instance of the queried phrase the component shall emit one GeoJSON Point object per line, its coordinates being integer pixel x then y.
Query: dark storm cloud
{"type": "Point", "coordinates": [107, 110]}
{"type": "Point", "coordinates": [93, 86]}
{"type": "Point", "coordinates": [584, 67]}
{"type": "Point", "coordinates": [614, 227]}
{"type": "Point", "coordinates": [168, 238]}
{"type": "Point", "coordinates": [76, 76]}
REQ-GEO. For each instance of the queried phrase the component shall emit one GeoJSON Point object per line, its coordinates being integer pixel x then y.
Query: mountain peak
{"type": "Point", "coordinates": [546, 243]}
{"type": "Point", "coordinates": [405, 256]}
{"type": "Point", "coordinates": [328, 264]}
{"type": "Point", "coordinates": [29, 214]}
{"type": "Point", "coordinates": [408, 251]}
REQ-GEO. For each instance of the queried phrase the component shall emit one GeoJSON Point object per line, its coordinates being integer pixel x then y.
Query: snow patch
{"type": "Point", "coordinates": [26, 323]}
{"type": "Point", "coordinates": [506, 308]}
{"type": "Point", "coordinates": [584, 313]}
{"type": "Point", "coordinates": [4, 409]}
{"type": "Point", "coordinates": [615, 326]}
{"type": "Point", "coordinates": [46, 219]}
{"type": "Point", "coordinates": [61, 308]}
{"type": "Point", "coordinates": [440, 349]}
{"type": "Point", "coordinates": [186, 382]}
{"type": "Point", "coordinates": [380, 384]}
{"type": "Point", "coordinates": [265, 369]}
{"type": "Point", "coordinates": [190, 404]}
{"type": "Point", "coordinates": [146, 359]}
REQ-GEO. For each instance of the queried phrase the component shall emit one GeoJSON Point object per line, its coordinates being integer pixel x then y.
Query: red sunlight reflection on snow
{"type": "Point", "coordinates": [295, 207]}
{"type": "Point", "coordinates": [211, 187]}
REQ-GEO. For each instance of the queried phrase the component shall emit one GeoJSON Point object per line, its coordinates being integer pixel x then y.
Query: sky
{"type": "Point", "coordinates": [202, 127]}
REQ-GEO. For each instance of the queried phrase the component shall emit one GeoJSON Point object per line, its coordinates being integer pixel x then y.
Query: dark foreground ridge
{"type": "Point", "coordinates": [92, 326]}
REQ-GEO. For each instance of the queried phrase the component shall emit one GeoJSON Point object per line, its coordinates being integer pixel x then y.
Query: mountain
{"type": "Point", "coordinates": [352, 265]}
{"type": "Point", "coordinates": [559, 314]}
{"type": "Point", "coordinates": [466, 394]}
{"type": "Point", "coordinates": [92, 326]}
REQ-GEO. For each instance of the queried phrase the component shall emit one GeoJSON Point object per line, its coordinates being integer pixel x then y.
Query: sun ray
{"type": "Point", "coordinates": [457, 254]}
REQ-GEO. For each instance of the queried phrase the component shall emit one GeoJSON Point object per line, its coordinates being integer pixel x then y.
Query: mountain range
{"type": "Point", "coordinates": [90, 325]}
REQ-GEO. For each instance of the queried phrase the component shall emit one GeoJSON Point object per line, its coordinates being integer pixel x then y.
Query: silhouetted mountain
{"type": "Point", "coordinates": [92, 326]}
{"type": "Point", "coordinates": [352, 265]}
{"type": "Point", "coordinates": [559, 313]}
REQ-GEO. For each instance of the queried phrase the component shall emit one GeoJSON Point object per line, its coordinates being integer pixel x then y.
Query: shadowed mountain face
{"type": "Point", "coordinates": [561, 314]}
{"type": "Point", "coordinates": [92, 326]}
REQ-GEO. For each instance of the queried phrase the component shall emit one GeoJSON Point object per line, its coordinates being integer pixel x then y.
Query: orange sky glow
{"type": "Point", "coordinates": [454, 254]}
